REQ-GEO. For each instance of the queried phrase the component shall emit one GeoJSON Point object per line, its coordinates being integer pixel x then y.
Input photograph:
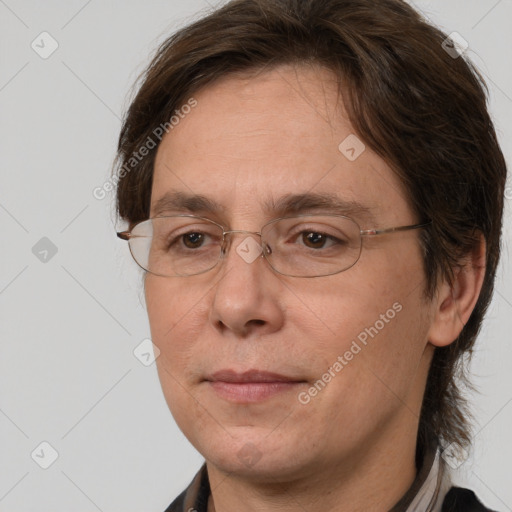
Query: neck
{"type": "Point", "coordinates": [373, 479]}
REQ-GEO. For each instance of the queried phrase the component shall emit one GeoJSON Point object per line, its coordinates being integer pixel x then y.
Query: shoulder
{"type": "Point", "coordinates": [178, 504]}
{"type": "Point", "coordinates": [459, 499]}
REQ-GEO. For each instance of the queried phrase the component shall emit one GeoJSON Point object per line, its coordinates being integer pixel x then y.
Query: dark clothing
{"type": "Point", "coordinates": [463, 500]}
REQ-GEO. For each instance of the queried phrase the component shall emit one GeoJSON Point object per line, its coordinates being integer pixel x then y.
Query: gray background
{"type": "Point", "coordinates": [69, 324]}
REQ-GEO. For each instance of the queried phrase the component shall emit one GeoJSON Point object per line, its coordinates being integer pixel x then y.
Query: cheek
{"type": "Point", "coordinates": [344, 307]}
{"type": "Point", "coordinates": [173, 313]}
{"type": "Point", "coordinates": [176, 319]}
{"type": "Point", "coordinates": [365, 374]}
{"type": "Point", "coordinates": [375, 318]}
{"type": "Point", "coordinates": [171, 305]}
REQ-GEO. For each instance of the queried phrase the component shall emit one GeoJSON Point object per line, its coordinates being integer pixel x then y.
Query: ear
{"type": "Point", "coordinates": [455, 302]}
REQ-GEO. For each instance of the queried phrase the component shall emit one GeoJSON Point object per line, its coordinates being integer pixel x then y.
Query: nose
{"type": "Point", "coordinates": [246, 297]}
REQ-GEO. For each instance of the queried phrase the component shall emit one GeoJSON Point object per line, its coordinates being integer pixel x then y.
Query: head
{"type": "Point", "coordinates": [254, 102]}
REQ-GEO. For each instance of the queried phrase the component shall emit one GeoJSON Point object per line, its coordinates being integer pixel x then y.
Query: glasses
{"type": "Point", "coordinates": [298, 246]}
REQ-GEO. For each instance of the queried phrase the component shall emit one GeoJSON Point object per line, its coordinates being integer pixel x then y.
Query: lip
{"type": "Point", "coordinates": [250, 386]}
{"type": "Point", "coordinates": [250, 376]}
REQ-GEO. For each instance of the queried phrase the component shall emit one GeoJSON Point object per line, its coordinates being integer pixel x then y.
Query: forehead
{"type": "Point", "coordinates": [252, 140]}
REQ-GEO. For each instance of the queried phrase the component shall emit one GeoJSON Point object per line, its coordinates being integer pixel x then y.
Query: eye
{"type": "Point", "coordinates": [317, 236]}
{"type": "Point", "coordinates": [189, 240]}
{"type": "Point", "coordinates": [317, 239]}
{"type": "Point", "coordinates": [193, 240]}
{"type": "Point", "coordinates": [313, 239]}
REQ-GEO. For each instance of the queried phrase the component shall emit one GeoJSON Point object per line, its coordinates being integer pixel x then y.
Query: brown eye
{"type": "Point", "coordinates": [193, 240]}
{"type": "Point", "coordinates": [317, 240]}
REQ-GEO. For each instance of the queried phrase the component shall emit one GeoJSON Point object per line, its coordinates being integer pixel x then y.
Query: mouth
{"type": "Point", "coordinates": [251, 386]}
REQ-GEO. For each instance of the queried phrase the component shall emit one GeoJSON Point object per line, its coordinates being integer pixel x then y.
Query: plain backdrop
{"type": "Point", "coordinates": [71, 304]}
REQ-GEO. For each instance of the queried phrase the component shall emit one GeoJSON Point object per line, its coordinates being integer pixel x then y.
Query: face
{"type": "Point", "coordinates": [351, 348]}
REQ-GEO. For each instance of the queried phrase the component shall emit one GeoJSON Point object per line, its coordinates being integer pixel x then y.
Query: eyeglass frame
{"type": "Point", "coordinates": [127, 235]}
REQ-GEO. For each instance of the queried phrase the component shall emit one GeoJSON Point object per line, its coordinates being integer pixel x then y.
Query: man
{"type": "Point", "coordinates": [315, 191]}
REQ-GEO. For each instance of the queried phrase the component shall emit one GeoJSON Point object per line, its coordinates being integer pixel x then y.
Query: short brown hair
{"type": "Point", "coordinates": [422, 110]}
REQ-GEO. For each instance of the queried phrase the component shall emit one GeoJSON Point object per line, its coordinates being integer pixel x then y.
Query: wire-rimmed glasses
{"type": "Point", "coordinates": [310, 245]}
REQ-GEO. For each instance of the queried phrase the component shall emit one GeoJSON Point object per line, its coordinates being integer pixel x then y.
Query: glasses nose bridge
{"type": "Point", "coordinates": [225, 240]}
{"type": "Point", "coordinates": [224, 233]}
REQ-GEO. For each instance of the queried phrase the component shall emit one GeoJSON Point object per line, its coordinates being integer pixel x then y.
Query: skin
{"type": "Point", "coordinates": [352, 447]}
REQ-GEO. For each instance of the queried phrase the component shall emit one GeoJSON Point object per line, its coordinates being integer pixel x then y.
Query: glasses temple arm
{"type": "Point", "coordinates": [369, 232]}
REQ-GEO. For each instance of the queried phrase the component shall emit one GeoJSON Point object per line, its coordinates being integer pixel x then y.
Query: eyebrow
{"type": "Point", "coordinates": [294, 204]}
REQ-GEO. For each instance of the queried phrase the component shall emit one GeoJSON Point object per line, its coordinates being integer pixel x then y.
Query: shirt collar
{"type": "Point", "coordinates": [432, 483]}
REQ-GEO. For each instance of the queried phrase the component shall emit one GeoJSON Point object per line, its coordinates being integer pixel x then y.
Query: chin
{"type": "Point", "coordinates": [254, 456]}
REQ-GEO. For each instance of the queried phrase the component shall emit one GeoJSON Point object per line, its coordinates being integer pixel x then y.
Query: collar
{"type": "Point", "coordinates": [432, 483]}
